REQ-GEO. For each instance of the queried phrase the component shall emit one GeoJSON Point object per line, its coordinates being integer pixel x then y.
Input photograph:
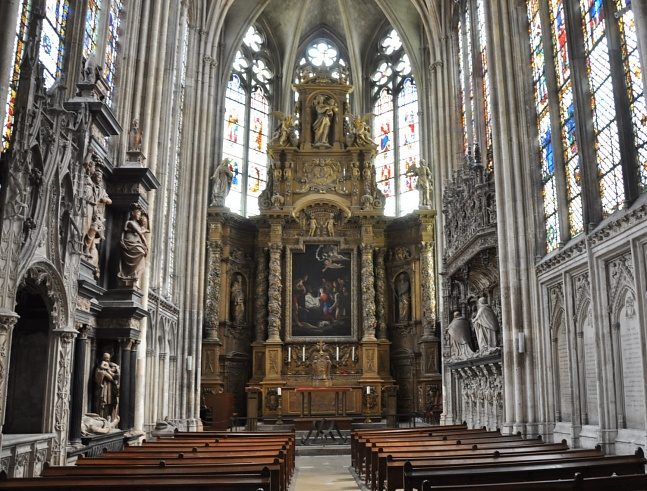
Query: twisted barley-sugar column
{"type": "Point", "coordinates": [212, 308]}
{"type": "Point", "coordinates": [428, 287]}
{"type": "Point", "coordinates": [368, 292]}
{"type": "Point", "coordinates": [380, 283]}
{"type": "Point", "coordinates": [274, 297]}
{"type": "Point", "coordinates": [261, 295]}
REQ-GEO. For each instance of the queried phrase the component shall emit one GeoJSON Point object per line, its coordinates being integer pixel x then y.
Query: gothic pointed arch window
{"type": "Point", "coordinates": [473, 78]}
{"type": "Point", "coordinates": [396, 125]}
{"type": "Point", "coordinates": [245, 129]}
{"type": "Point", "coordinates": [591, 115]}
{"type": "Point", "coordinates": [18, 53]}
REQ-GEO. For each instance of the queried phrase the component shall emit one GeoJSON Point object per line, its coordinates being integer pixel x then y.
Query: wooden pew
{"type": "Point", "coordinates": [438, 473]}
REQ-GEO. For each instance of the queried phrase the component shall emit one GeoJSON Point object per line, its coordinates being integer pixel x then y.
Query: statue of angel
{"type": "Point", "coordinates": [285, 134]}
{"type": "Point", "coordinates": [361, 131]}
{"type": "Point", "coordinates": [486, 326]}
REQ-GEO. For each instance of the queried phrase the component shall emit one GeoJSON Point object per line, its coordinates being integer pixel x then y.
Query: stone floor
{"type": "Point", "coordinates": [323, 472]}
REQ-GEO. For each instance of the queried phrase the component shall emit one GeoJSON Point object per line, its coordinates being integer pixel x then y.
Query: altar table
{"type": "Point", "coordinates": [337, 390]}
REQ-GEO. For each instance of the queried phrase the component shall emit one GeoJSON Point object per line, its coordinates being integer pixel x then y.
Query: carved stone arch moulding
{"type": "Point", "coordinates": [622, 295]}
{"type": "Point", "coordinates": [44, 277]}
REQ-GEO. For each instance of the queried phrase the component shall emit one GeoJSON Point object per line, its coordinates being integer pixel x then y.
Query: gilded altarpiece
{"type": "Point", "coordinates": [316, 296]}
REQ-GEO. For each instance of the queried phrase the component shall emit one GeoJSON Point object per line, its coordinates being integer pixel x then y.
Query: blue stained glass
{"type": "Point", "coordinates": [52, 47]}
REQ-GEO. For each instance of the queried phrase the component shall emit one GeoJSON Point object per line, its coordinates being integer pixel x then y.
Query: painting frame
{"type": "Point", "coordinates": [294, 333]}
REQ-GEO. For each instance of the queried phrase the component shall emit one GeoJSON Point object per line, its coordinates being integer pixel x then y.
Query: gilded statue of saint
{"type": "Point", "coordinates": [326, 108]}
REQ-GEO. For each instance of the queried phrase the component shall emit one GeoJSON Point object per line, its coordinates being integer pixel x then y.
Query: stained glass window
{"type": "Point", "coordinates": [110, 61]}
{"type": "Point", "coordinates": [91, 28]}
{"type": "Point", "coordinates": [473, 72]}
{"type": "Point", "coordinates": [322, 55]}
{"type": "Point", "coordinates": [395, 126]}
{"type": "Point", "coordinates": [52, 38]}
{"type": "Point", "coordinates": [634, 82]}
{"type": "Point", "coordinates": [605, 125]}
{"type": "Point", "coordinates": [246, 123]}
{"type": "Point", "coordinates": [18, 52]}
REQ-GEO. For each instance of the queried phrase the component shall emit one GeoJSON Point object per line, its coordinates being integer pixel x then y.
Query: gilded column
{"type": "Point", "coordinates": [428, 287]}
{"type": "Point", "coordinates": [380, 283]}
{"type": "Point", "coordinates": [212, 311]}
{"type": "Point", "coordinates": [274, 294]}
{"type": "Point", "coordinates": [368, 292]}
{"type": "Point", "coordinates": [261, 295]}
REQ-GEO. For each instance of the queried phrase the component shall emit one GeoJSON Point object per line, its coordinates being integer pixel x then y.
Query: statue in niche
{"type": "Point", "coordinates": [134, 247]}
{"type": "Point", "coordinates": [312, 226]}
{"type": "Point", "coordinates": [96, 199]}
{"type": "Point", "coordinates": [106, 388]}
{"type": "Point", "coordinates": [222, 178]}
{"type": "Point", "coordinates": [321, 366]}
{"type": "Point", "coordinates": [94, 424]}
{"type": "Point", "coordinates": [486, 326]}
{"type": "Point", "coordinates": [135, 137]}
{"type": "Point", "coordinates": [459, 333]}
{"type": "Point", "coordinates": [403, 293]}
{"type": "Point", "coordinates": [424, 183]}
{"type": "Point", "coordinates": [330, 225]}
{"type": "Point", "coordinates": [237, 296]}
{"type": "Point", "coordinates": [326, 107]}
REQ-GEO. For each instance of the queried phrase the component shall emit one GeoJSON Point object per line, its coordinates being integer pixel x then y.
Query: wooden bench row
{"type": "Point", "coordinates": [197, 461]}
{"type": "Point", "coordinates": [453, 457]}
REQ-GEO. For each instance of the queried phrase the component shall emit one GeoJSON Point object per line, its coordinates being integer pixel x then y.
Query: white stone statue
{"type": "Point", "coordinates": [134, 247]}
{"type": "Point", "coordinates": [459, 332]}
{"type": "Point", "coordinates": [424, 183]}
{"type": "Point", "coordinates": [106, 388]}
{"type": "Point", "coordinates": [486, 326]}
{"type": "Point", "coordinates": [221, 179]}
{"type": "Point", "coordinates": [93, 424]}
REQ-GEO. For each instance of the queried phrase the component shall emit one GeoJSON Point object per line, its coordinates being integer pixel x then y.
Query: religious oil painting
{"type": "Point", "coordinates": [321, 292]}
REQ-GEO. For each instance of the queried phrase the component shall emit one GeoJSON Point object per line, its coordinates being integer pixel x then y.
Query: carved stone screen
{"type": "Point", "coordinates": [590, 371]}
{"type": "Point", "coordinates": [321, 292]}
{"type": "Point", "coordinates": [632, 368]}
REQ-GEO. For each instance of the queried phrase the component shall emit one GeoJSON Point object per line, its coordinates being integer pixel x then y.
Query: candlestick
{"type": "Point", "coordinates": [352, 357]}
{"type": "Point", "coordinates": [278, 391]}
{"type": "Point", "coordinates": [289, 353]}
{"type": "Point", "coordinates": [303, 354]}
{"type": "Point", "coordinates": [368, 390]}
{"type": "Point", "coordinates": [337, 354]}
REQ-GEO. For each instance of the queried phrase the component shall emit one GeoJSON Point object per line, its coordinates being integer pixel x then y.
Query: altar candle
{"type": "Point", "coordinates": [278, 391]}
{"type": "Point", "coordinates": [353, 355]}
{"type": "Point", "coordinates": [303, 354]}
{"type": "Point", "coordinates": [289, 353]}
{"type": "Point", "coordinates": [337, 354]}
{"type": "Point", "coordinates": [368, 390]}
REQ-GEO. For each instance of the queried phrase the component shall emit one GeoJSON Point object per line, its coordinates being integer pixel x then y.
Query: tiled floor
{"type": "Point", "coordinates": [329, 472]}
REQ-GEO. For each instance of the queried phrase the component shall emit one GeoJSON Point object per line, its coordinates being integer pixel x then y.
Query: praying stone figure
{"type": "Point", "coordinates": [237, 300]}
{"type": "Point", "coordinates": [134, 247]}
{"type": "Point", "coordinates": [459, 333]}
{"type": "Point", "coordinates": [222, 178]}
{"type": "Point", "coordinates": [326, 108]}
{"type": "Point", "coordinates": [106, 388]}
{"type": "Point", "coordinates": [486, 326]}
{"type": "Point", "coordinates": [403, 292]}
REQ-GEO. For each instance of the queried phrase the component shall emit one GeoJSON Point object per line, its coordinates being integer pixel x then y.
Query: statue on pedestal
{"type": "Point", "coordinates": [403, 292]}
{"type": "Point", "coordinates": [106, 388]}
{"type": "Point", "coordinates": [222, 178]}
{"type": "Point", "coordinates": [134, 247]}
{"type": "Point", "coordinates": [486, 326]}
{"type": "Point", "coordinates": [237, 300]}
{"type": "Point", "coordinates": [321, 366]}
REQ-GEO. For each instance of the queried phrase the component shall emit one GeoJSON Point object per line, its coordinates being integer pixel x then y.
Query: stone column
{"type": "Point", "coordinates": [133, 370]}
{"type": "Point", "coordinates": [78, 384]}
{"type": "Point", "coordinates": [368, 293]}
{"type": "Point", "coordinates": [428, 287]}
{"type": "Point", "coordinates": [7, 322]}
{"type": "Point", "coordinates": [212, 310]}
{"type": "Point", "coordinates": [380, 285]}
{"type": "Point", "coordinates": [63, 375]}
{"type": "Point", "coordinates": [274, 294]}
{"type": "Point", "coordinates": [125, 388]}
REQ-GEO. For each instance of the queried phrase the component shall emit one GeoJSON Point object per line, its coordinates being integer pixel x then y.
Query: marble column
{"type": "Point", "coordinates": [78, 383]}
{"type": "Point", "coordinates": [428, 287]}
{"type": "Point", "coordinates": [133, 370]}
{"type": "Point", "coordinates": [380, 285]}
{"type": "Point", "coordinates": [274, 294]}
{"type": "Point", "coordinates": [125, 388]}
{"type": "Point", "coordinates": [368, 293]}
{"type": "Point", "coordinates": [261, 295]}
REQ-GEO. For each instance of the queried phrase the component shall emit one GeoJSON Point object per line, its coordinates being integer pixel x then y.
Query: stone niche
{"type": "Point", "coordinates": [299, 296]}
{"type": "Point", "coordinates": [472, 341]}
